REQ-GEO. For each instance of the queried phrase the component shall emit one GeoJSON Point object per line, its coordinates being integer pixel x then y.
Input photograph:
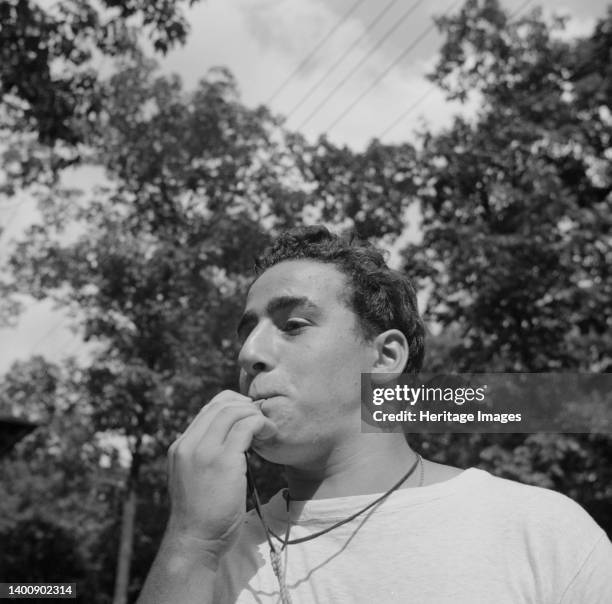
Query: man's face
{"type": "Point", "coordinates": [303, 354]}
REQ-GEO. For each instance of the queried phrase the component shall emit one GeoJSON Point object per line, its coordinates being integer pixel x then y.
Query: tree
{"type": "Point", "coordinates": [516, 224]}
{"type": "Point", "coordinates": [53, 62]}
{"type": "Point", "coordinates": [156, 262]}
{"type": "Point", "coordinates": [516, 210]}
{"type": "Point", "coordinates": [367, 193]}
{"type": "Point", "coordinates": [197, 182]}
{"type": "Point", "coordinates": [56, 483]}
{"type": "Point", "coordinates": [47, 68]}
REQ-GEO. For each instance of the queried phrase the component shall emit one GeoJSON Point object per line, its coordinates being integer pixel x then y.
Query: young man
{"type": "Point", "coordinates": [364, 519]}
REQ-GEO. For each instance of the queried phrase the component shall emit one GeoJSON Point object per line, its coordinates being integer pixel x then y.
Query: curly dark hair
{"type": "Point", "coordinates": [381, 298]}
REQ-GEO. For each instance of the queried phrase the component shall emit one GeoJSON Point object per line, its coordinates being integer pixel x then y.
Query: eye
{"type": "Point", "coordinates": [293, 325]}
{"type": "Point", "coordinates": [243, 333]}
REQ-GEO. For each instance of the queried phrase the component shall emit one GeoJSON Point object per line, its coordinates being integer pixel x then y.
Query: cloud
{"type": "Point", "coordinates": [288, 26]}
{"type": "Point", "coordinates": [297, 30]}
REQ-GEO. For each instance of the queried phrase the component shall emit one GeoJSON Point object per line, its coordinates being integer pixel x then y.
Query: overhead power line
{"type": "Point", "coordinates": [7, 205]}
{"type": "Point", "coordinates": [72, 345]}
{"type": "Point", "coordinates": [431, 89]}
{"type": "Point", "coordinates": [397, 60]}
{"type": "Point", "coordinates": [61, 322]}
{"type": "Point", "coordinates": [316, 86]}
{"type": "Point", "coordinates": [304, 61]}
{"type": "Point", "coordinates": [408, 111]}
{"type": "Point", "coordinates": [5, 227]}
{"type": "Point", "coordinates": [359, 64]}
{"type": "Point", "coordinates": [519, 9]}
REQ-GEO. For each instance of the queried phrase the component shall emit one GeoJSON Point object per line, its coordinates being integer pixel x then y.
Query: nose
{"type": "Point", "coordinates": [256, 353]}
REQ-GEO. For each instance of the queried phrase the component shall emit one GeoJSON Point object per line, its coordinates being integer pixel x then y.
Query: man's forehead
{"type": "Point", "coordinates": [314, 280]}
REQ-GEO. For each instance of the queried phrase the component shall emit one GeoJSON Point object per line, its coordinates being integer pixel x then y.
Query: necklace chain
{"type": "Point", "coordinates": [275, 555]}
{"type": "Point", "coordinates": [285, 542]}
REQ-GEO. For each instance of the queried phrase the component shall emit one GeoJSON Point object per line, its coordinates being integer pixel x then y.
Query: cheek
{"type": "Point", "coordinates": [345, 364]}
{"type": "Point", "coordinates": [340, 355]}
{"type": "Point", "coordinates": [336, 393]}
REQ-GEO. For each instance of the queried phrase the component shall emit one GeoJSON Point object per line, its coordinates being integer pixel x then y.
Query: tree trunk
{"type": "Point", "coordinates": [126, 538]}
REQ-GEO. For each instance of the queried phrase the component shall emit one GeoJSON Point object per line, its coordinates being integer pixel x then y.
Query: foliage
{"type": "Point", "coordinates": [515, 254]}
{"type": "Point", "coordinates": [160, 266]}
{"type": "Point", "coordinates": [516, 248]}
{"type": "Point", "coordinates": [47, 73]}
{"type": "Point", "coordinates": [516, 205]}
{"type": "Point", "coordinates": [159, 258]}
{"type": "Point", "coordinates": [368, 193]}
{"type": "Point", "coordinates": [56, 488]}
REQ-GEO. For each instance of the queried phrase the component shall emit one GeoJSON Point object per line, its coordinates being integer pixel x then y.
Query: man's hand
{"type": "Point", "coordinates": [207, 475]}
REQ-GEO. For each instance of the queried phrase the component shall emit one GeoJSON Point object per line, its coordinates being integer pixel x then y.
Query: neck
{"type": "Point", "coordinates": [367, 464]}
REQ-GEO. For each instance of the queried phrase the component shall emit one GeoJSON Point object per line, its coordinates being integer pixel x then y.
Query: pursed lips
{"type": "Point", "coordinates": [262, 397]}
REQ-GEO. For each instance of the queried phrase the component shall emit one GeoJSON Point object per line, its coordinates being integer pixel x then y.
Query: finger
{"type": "Point", "coordinates": [224, 397]}
{"type": "Point", "coordinates": [246, 430]}
{"type": "Point", "coordinates": [202, 420]}
{"type": "Point", "coordinates": [217, 431]}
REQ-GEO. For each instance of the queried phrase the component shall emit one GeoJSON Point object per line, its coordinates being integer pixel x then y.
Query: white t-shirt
{"type": "Point", "coordinates": [472, 539]}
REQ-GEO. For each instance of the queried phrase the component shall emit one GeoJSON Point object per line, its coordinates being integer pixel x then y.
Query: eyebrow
{"type": "Point", "coordinates": [275, 305]}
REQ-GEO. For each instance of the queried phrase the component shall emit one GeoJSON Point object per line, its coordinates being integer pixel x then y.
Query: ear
{"type": "Point", "coordinates": [391, 350]}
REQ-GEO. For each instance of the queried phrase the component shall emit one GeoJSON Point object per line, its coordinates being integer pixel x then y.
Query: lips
{"type": "Point", "coordinates": [259, 400]}
{"type": "Point", "coordinates": [263, 397]}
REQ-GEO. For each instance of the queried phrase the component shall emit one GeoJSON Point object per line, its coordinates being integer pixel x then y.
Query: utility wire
{"type": "Point", "coordinates": [519, 9]}
{"type": "Point", "coordinates": [416, 103]}
{"type": "Point", "coordinates": [5, 227]}
{"type": "Point", "coordinates": [358, 65]}
{"type": "Point", "coordinates": [409, 110]}
{"type": "Point", "coordinates": [397, 60]}
{"type": "Point", "coordinates": [7, 205]}
{"type": "Point", "coordinates": [316, 86]}
{"type": "Point", "coordinates": [77, 345]}
{"type": "Point", "coordinates": [63, 322]}
{"type": "Point", "coordinates": [12, 217]}
{"type": "Point", "coordinates": [304, 61]}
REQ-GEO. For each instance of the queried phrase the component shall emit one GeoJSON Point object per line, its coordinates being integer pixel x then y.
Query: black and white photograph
{"type": "Point", "coordinates": [306, 302]}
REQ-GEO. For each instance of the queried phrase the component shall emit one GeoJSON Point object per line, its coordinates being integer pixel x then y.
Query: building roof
{"type": "Point", "coordinates": [12, 430]}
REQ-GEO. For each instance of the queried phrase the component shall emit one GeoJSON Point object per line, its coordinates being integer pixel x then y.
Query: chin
{"type": "Point", "coordinates": [296, 456]}
{"type": "Point", "coordinates": [275, 450]}
{"type": "Point", "coordinates": [270, 452]}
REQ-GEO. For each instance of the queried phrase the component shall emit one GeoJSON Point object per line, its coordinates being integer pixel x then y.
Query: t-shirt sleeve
{"type": "Point", "coordinates": [592, 583]}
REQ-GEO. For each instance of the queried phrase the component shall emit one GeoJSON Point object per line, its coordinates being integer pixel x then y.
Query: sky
{"type": "Point", "coordinates": [264, 41]}
{"type": "Point", "coordinates": [353, 69]}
